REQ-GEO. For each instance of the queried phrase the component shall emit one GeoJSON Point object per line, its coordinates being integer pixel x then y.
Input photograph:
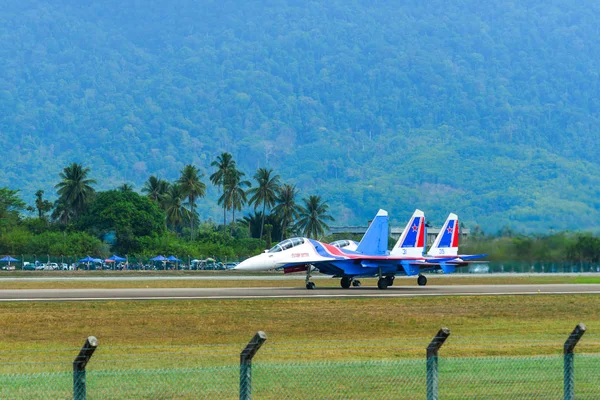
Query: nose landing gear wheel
{"type": "Point", "coordinates": [382, 283]}
{"type": "Point", "coordinates": [422, 280]}
{"type": "Point", "coordinates": [309, 285]}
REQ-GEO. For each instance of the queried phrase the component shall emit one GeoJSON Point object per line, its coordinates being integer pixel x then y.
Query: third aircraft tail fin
{"type": "Point", "coordinates": [446, 242]}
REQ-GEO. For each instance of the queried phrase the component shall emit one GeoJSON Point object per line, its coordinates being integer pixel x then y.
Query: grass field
{"type": "Point", "coordinates": [322, 329]}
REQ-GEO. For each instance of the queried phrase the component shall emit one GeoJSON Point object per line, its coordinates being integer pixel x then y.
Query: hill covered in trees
{"type": "Point", "coordinates": [487, 110]}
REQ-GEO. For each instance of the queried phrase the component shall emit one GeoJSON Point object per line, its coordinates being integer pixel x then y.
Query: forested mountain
{"type": "Point", "coordinates": [487, 110]}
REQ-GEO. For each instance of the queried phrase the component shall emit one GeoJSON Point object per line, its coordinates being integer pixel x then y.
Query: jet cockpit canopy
{"type": "Point", "coordinates": [340, 243]}
{"type": "Point", "coordinates": [286, 244]}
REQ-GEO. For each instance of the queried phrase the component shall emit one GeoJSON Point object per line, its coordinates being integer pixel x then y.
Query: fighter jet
{"type": "Point", "coordinates": [302, 254]}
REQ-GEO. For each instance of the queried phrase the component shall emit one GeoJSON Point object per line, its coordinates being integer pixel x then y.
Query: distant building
{"type": "Point", "coordinates": [395, 232]}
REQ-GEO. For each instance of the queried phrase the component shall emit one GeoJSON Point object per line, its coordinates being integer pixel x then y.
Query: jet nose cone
{"type": "Point", "coordinates": [256, 263]}
{"type": "Point", "coordinates": [246, 265]}
{"type": "Point", "coordinates": [241, 266]}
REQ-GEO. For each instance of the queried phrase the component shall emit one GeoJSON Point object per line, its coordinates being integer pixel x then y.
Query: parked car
{"type": "Point", "coordinates": [27, 266]}
{"type": "Point", "coordinates": [51, 267]}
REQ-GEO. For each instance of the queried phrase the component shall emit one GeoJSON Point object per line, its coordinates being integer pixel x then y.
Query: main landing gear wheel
{"type": "Point", "coordinates": [310, 285]}
{"type": "Point", "coordinates": [422, 280]}
{"type": "Point", "coordinates": [382, 283]}
{"type": "Point", "coordinates": [345, 282]}
{"type": "Point", "coordinates": [390, 280]}
{"type": "Point", "coordinates": [355, 283]}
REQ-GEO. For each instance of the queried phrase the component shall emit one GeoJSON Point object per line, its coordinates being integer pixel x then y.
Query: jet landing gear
{"type": "Point", "coordinates": [309, 285]}
{"type": "Point", "coordinates": [346, 281]}
{"type": "Point", "coordinates": [385, 281]}
{"type": "Point", "coordinates": [422, 280]}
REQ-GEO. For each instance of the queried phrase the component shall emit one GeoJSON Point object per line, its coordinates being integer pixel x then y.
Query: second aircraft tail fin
{"type": "Point", "coordinates": [412, 240]}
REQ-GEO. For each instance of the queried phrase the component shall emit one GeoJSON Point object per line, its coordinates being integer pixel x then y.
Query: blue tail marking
{"type": "Point", "coordinates": [375, 239]}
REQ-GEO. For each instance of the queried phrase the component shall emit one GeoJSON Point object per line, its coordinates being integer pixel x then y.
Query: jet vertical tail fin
{"type": "Point", "coordinates": [375, 239]}
{"type": "Point", "coordinates": [412, 240]}
{"type": "Point", "coordinates": [446, 242]}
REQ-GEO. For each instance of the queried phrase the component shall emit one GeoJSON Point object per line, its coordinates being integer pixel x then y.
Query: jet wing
{"type": "Point", "coordinates": [447, 266]}
{"type": "Point", "coordinates": [305, 261]}
{"type": "Point", "coordinates": [471, 257]}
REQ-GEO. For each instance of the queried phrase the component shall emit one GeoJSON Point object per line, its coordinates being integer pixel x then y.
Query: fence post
{"type": "Point", "coordinates": [432, 362]}
{"type": "Point", "coordinates": [246, 364]}
{"type": "Point", "coordinates": [79, 364]}
{"type": "Point", "coordinates": [569, 371]}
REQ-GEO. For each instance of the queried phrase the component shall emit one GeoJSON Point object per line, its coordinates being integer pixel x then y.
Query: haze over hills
{"type": "Point", "coordinates": [487, 110]}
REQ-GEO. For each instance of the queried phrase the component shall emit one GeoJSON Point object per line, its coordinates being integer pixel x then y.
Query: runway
{"type": "Point", "coordinates": [29, 295]}
{"type": "Point", "coordinates": [251, 277]}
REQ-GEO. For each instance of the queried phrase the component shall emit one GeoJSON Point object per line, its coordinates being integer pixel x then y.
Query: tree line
{"type": "Point", "coordinates": [162, 218]}
{"type": "Point", "coordinates": [559, 247]}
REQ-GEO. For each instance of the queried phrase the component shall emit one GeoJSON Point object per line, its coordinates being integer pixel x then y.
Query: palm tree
{"type": "Point", "coordinates": [265, 193]}
{"type": "Point", "coordinates": [155, 188]}
{"type": "Point", "coordinates": [234, 196]}
{"type": "Point", "coordinates": [252, 223]}
{"type": "Point", "coordinates": [173, 203]}
{"type": "Point", "coordinates": [286, 207]}
{"type": "Point", "coordinates": [193, 188]}
{"type": "Point", "coordinates": [224, 163]}
{"type": "Point", "coordinates": [42, 206]}
{"type": "Point", "coordinates": [126, 187]}
{"type": "Point", "coordinates": [75, 190]}
{"type": "Point", "coordinates": [313, 216]}
{"type": "Point", "coordinates": [61, 213]}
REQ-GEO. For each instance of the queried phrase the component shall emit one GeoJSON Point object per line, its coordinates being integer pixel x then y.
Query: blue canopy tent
{"type": "Point", "coordinates": [161, 258]}
{"type": "Point", "coordinates": [88, 260]}
{"type": "Point", "coordinates": [8, 259]}
{"type": "Point", "coordinates": [115, 259]}
{"type": "Point", "coordinates": [175, 260]}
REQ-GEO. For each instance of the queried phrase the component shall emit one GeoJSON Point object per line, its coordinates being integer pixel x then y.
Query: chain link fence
{"type": "Point", "coordinates": [276, 372]}
{"type": "Point", "coordinates": [459, 378]}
